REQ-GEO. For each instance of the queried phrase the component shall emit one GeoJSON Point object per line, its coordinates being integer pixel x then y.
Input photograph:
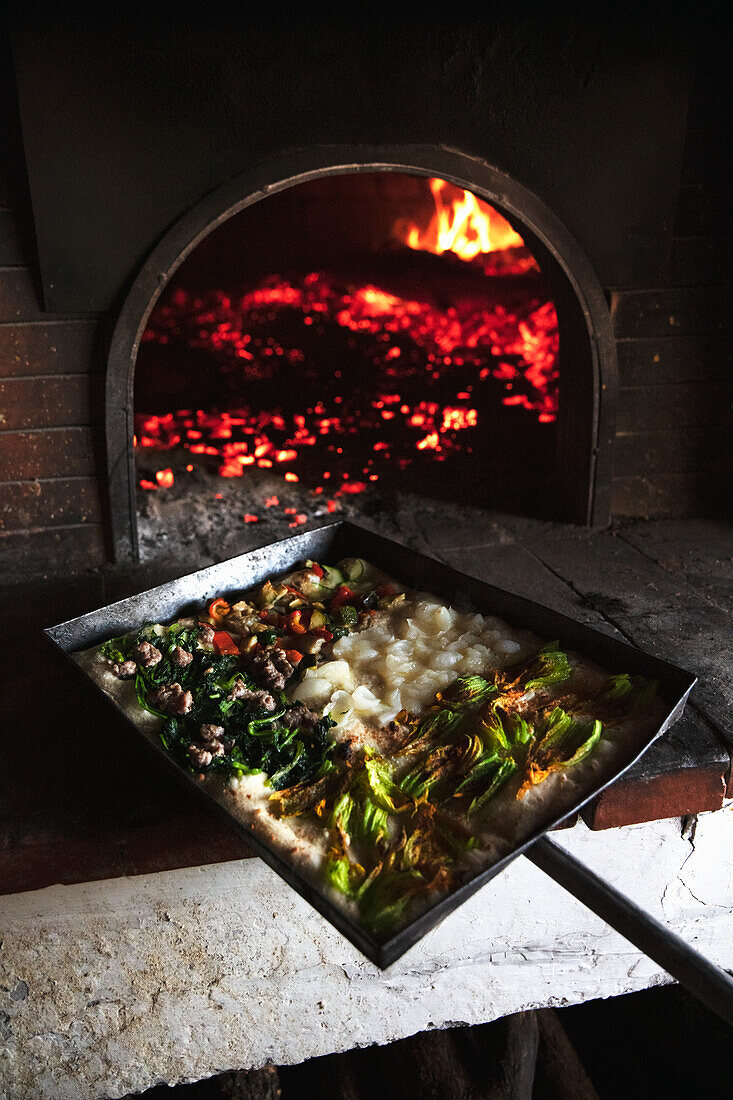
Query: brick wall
{"type": "Point", "coordinates": [673, 425]}
{"type": "Point", "coordinates": [49, 424]}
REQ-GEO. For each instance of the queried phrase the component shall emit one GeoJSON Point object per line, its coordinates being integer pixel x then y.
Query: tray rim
{"type": "Point", "coordinates": [65, 640]}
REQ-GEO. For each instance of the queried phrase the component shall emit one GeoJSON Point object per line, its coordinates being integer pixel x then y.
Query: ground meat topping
{"type": "Point", "coordinates": [125, 670]}
{"type": "Point", "coordinates": [198, 756]}
{"type": "Point", "coordinates": [173, 699]}
{"type": "Point", "coordinates": [257, 698]}
{"type": "Point", "coordinates": [281, 662]}
{"type": "Point", "coordinates": [300, 717]}
{"type": "Point", "coordinates": [273, 668]}
{"type": "Point", "coordinates": [209, 732]}
{"type": "Point", "coordinates": [206, 633]}
{"type": "Point", "coordinates": [146, 655]}
{"type": "Point", "coordinates": [181, 657]}
{"type": "Point", "coordinates": [348, 750]}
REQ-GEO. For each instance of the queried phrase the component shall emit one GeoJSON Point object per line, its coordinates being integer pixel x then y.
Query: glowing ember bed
{"type": "Point", "coordinates": [385, 748]}
{"type": "Point", "coordinates": [432, 352]}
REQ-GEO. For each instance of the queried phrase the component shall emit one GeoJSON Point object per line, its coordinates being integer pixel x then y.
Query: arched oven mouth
{"type": "Point", "coordinates": [348, 325]}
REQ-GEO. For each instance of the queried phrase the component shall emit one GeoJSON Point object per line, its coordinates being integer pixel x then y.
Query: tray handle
{"type": "Point", "coordinates": [708, 982]}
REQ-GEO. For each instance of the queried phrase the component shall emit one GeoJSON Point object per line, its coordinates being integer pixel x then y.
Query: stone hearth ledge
{"type": "Point", "coordinates": [112, 987]}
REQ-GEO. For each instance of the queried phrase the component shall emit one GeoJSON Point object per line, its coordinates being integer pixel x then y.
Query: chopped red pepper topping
{"type": "Point", "coordinates": [296, 623]}
{"type": "Point", "coordinates": [386, 590]}
{"type": "Point", "coordinates": [219, 608]}
{"type": "Point", "coordinates": [317, 569]}
{"type": "Point", "coordinates": [225, 644]}
{"type": "Point", "coordinates": [342, 595]}
{"type": "Point", "coordinates": [294, 656]}
{"type": "Point", "coordinates": [321, 632]}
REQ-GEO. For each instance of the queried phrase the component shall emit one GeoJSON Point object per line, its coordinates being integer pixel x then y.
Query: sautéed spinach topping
{"type": "Point", "coordinates": [396, 826]}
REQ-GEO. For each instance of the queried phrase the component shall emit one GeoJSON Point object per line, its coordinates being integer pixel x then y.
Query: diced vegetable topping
{"type": "Point", "coordinates": [346, 614]}
{"type": "Point", "coordinates": [354, 569]}
{"type": "Point", "coordinates": [225, 644]}
{"type": "Point", "coordinates": [219, 609]}
{"type": "Point", "coordinates": [343, 595]}
{"type": "Point", "coordinates": [298, 622]}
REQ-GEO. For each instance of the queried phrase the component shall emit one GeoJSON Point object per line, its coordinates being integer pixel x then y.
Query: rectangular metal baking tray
{"type": "Point", "coordinates": [339, 540]}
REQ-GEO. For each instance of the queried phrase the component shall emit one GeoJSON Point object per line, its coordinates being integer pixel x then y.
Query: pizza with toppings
{"type": "Point", "coordinates": [388, 744]}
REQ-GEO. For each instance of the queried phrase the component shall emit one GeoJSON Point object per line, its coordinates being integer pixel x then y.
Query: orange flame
{"type": "Point", "coordinates": [461, 223]}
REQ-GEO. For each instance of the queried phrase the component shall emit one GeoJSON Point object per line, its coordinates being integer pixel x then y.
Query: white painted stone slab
{"type": "Point", "coordinates": [111, 987]}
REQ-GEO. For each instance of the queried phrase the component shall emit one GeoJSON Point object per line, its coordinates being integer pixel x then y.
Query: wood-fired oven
{"type": "Point", "coordinates": [161, 175]}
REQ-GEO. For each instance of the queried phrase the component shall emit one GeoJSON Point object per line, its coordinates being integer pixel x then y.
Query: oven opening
{"type": "Point", "coordinates": [350, 345]}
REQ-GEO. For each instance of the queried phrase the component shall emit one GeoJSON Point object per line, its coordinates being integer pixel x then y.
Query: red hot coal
{"type": "Point", "coordinates": [339, 382]}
